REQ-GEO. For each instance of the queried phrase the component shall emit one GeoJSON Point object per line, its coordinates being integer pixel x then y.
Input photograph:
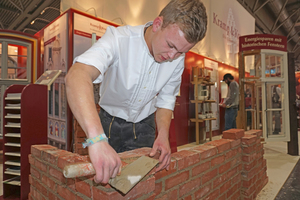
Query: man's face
{"type": "Point", "coordinates": [227, 81]}
{"type": "Point", "coordinates": [168, 43]}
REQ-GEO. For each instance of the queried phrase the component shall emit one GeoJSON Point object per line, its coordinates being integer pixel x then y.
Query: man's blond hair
{"type": "Point", "coordinates": [189, 15]}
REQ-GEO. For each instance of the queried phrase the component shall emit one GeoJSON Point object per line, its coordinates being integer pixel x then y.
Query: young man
{"type": "Point", "coordinates": [140, 72]}
{"type": "Point", "coordinates": [231, 102]}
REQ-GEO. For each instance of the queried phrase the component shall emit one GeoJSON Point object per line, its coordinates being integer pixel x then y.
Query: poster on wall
{"type": "Point", "coordinates": [84, 27]}
{"type": "Point", "coordinates": [55, 58]}
{"type": "Point", "coordinates": [213, 68]}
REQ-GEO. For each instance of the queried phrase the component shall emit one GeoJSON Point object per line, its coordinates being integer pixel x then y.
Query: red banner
{"type": "Point", "coordinates": [84, 34]}
{"type": "Point", "coordinates": [262, 41]}
{"type": "Point", "coordinates": [50, 41]}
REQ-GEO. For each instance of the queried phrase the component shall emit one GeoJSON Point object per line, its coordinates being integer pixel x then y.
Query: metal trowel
{"type": "Point", "coordinates": [129, 177]}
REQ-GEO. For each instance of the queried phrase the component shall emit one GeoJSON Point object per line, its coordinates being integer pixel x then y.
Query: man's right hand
{"type": "Point", "coordinates": [105, 160]}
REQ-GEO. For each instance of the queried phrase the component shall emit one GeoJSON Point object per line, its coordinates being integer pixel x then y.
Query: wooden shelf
{"type": "Point", "coordinates": [17, 135]}
{"type": "Point", "coordinates": [202, 120]}
{"type": "Point", "coordinates": [206, 101]}
{"type": "Point", "coordinates": [12, 162]}
{"type": "Point", "coordinates": [12, 144]}
{"type": "Point", "coordinates": [22, 109]}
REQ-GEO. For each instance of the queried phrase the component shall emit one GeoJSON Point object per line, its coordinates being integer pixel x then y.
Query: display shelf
{"type": "Point", "coordinates": [16, 135]}
{"type": "Point", "coordinates": [12, 144]}
{"type": "Point", "coordinates": [12, 154]}
{"type": "Point", "coordinates": [24, 124]}
{"type": "Point", "coordinates": [13, 181]}
{"type": "Point", "coordinates": [13, 162]}
{"type": "Point", "coordinates": [206, 101]}
{"type": "Point", "coordinates": [200, 79]}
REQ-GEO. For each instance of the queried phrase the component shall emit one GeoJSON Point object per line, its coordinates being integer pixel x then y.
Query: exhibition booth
{"type": "Point", "coordinates": [197, 116]}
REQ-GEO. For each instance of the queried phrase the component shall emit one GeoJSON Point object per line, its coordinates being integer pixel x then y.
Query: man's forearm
{"type": "Point", "coordinates": [79, 89]}
{"type": "Point", "coordinates": [163, 120]}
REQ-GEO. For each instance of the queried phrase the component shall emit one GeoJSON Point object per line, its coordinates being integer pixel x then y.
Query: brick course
{"type": "Point", "coordinates": [230, 168]}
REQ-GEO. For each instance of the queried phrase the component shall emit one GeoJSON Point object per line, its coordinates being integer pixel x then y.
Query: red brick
{"type": "Point", "coordinates": [225, 187]}
{"type": "Point", "coordinates": [248, 139]}
{"type": "Point", "coordinates": [212, 196]}
{"type": "Point", "coordinates": [36, 150]}
{"type": "Point", "coordinates": [41, 188]}
{"type": "Point", "coordinates": [30, 159]}
{"type": "Point", "coordinates": [200, 168]}
{"type": "Point", "coordinates": [65, 193]}
{"type": "Point", "coordinates": [218, 160]}
{"type": "Point", "coordinates": [250, 174]}
{"type": "Point", "coordinates": [258, 133]}
{"type": "Point", "coordinates": [185, 158]}
{"type": "Point", "coordinates": [71, 183]}
{"type": "Point", "coordinates": [236, 179]}
{"type": "Point", "coordinates": [248, 191]}
{"type": "Point", "coordinates": [135, 153]}
{"type": "Point", "coordinates": [235, 143]}
{"type": "Point", "coordinates": [164, 172]}
{"type": "Point", "coordinates": [52, 155]}
{"type": "Point", "coordinates": [152, 197]}
{"type": "Point", "coordinates": [209, 176]}
{"type": "Point", "coordinates": [35, 173]}
{"type": "Point", "coordinates": [30, 180]}
{"type": "Point", "coordinates": [58, 175]}
{"type": "Point", "coordinates": [177, 179]}
{"type": "Point", "coordinates": [222, 144]}
{"type": "Point", "coordinates": [83, 187]}
{"type": "Point", "coordinates": [223, 197]}
{"type": "Point", "coordinates": [52, 196]}
{"type": "Point", "coordinates": [248, 182]}
{"type": "Point", "coordinates": [41, 166]}
{"type": "Point", "coordinates": [188, 198]}
{"type": "Point", "coordinates": [233, 134]}
{"type": "Point", "coordinates": [249, 157]}
{"type": "Point", "coordinates": [142, 188]}
{"type": "Point", "coordinates": [249, 166]}
{"type": "Point", "coordinates": [189, 186]}
{"type": "Point", "coordinates": [219, 180]}
{"type": "Point", "coordinates": [230, 154]}
{"type": "Point", "coordinates": [224, 168]}
{"type": "Point", "coordinates": [158, 188]}
{"type": "Point", "coordinates": [249, 149]}
{"type": "Point", "coordinates": [169, 195]}
{"type": "Point", "coordinates": [202, 191]}
{"type": "Point", "coordinates": [49, 183]}
{"type": "Point", "coordinates": [206, 151]}
{"type": "Point", "coordinates": [232, 172]}
{"type": "Point", "coordinates": [236, 195]}
{"type": "Point", "coordinates": [62, 161]}
{"type": "Point", "coordinates": [233, 190]}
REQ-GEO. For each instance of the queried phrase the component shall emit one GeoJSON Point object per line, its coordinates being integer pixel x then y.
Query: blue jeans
{"type": "Point", "coordinates": [230, 118]}
{"type": "Point", "coordinates": [126, 136]}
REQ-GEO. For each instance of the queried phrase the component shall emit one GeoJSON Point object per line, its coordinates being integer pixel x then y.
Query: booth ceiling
{"type": "Point", "coordinates": [271, 16]}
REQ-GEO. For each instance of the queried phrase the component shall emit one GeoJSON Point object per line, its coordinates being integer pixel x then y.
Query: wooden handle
{"type": "Point", "coordinates": [78, 170]}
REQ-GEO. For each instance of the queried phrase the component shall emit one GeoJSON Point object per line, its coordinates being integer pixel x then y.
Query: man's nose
{"type": "Point", "coordinates": [172, 54]}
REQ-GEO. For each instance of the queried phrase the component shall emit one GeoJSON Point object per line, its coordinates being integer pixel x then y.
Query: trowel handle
{"type": "Point", "coordinates": [78, 170]}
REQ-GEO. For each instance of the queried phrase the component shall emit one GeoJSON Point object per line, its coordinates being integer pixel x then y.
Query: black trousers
{"type": "Point", "coordinates": [126, 136]}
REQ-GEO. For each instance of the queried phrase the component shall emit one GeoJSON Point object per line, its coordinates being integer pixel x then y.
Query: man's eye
{"type": "Point", "coordinates": [170, 46]}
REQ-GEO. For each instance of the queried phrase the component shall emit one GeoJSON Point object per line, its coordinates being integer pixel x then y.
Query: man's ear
{"type": "Point", "coordinates": [157, 23]}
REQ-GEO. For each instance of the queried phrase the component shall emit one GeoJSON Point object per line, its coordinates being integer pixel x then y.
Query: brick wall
{"type": "Point", "coordinates": [229, 168]}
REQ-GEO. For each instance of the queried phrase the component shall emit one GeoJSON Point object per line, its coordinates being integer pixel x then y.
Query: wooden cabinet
{"type": "Point", "coordinates": [25, 124]}
{"type": "Point", "coordinates": [202, 98]}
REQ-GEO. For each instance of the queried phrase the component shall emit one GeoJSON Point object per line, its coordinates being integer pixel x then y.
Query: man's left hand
{"type": "Point", "coordinates": [162, 145]}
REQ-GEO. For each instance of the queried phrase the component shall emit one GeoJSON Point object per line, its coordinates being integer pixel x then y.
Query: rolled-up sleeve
{"type": "Point", "coordinates": [167, 96]}
{"type": "Point", "coordinates": [101, 55]}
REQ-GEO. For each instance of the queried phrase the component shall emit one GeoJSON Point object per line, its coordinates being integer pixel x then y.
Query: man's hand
{"type": "Point", "coordinates": [224, 105]}
{"type": "Point", "coordinates": [105, 160]}
{"type": "Point", "coordinates": [162, 145]}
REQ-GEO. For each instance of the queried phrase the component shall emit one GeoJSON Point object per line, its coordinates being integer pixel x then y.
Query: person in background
{"type": "Point", "coordinates": [140, 70]}
{"type": "Point", "coordinates": [248, 106]}
{"type": "Point", "coordinates": [231, 102]}
{"type": "Point", "coordinates": [276, 100]}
